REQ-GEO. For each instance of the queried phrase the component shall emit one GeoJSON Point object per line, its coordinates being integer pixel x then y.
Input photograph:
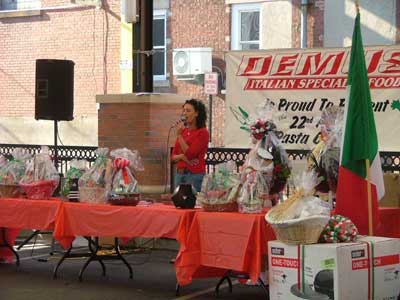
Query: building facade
{"type": "Point", "coordinates": [94, 35]}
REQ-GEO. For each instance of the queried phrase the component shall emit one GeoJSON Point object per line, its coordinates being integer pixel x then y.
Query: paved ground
{"type": "Point", "coordinates": [153, 279]}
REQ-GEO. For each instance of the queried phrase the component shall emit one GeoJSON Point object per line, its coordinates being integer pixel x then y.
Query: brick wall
{"type": "Point", "coordinates": [200, 23]}
{"type": "Point", "coordinates": [144, 127]}
{"type": "Point", "coordinates": [86, 35]}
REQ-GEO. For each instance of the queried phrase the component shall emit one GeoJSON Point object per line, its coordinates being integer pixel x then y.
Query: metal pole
{"type": "Point", "coordinates": [55, 145]}
{"type": "Point", "coordinates": [135, 58]}
{"type": "Point", "coordinates": [304, 7]}
{"type": "Point", "coordinates": [146, 45]}
{"type": "Point", "coordinates": [210, 118]}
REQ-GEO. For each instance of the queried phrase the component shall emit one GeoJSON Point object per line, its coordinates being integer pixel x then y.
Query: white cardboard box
{"type": "Point", "coordinates": [335, 271]}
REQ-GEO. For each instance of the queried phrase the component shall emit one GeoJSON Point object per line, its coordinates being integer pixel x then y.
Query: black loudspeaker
{"type": "Point", "coordinates": [54, 97]}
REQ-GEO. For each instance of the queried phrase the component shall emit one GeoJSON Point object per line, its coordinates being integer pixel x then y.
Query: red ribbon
{"type": "Point", "coordinates": [122, 164]}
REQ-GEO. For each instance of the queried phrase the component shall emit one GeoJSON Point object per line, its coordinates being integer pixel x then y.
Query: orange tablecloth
{"type": "Point", "coordinates": [16, 214]}
{"type": "Point", "coordinates": [223, 241]}
{"type": "Point", "coordinates": [158, 220]}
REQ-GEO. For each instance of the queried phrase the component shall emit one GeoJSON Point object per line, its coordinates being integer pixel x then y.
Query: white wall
{"type": "Point", "coordinates": [378, 22]}
{"type": "Point", "coordinates": [276, 24]}
{"type": "Point", "coordinates": [82, 131]}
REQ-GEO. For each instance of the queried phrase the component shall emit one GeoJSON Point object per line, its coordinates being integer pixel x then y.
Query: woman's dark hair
{"type": "Point", "coordinates": [200, 108]}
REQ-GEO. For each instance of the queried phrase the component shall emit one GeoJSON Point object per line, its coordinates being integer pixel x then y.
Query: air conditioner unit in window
{"type": "Point", "coordinates": [189, 62]}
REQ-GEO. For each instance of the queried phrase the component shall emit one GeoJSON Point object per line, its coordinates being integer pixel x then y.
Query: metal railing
{"type": "Point", "coordinates": [390, 160]}
{"type": "Point", "coordinates": [64, 153]}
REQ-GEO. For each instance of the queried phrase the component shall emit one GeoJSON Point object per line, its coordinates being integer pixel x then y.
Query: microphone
{"type": "Point", "coordinates": [181, 119]}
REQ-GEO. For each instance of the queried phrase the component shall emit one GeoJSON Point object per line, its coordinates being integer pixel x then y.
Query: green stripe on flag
{"type": "Point", "coordinates": [360, 139]}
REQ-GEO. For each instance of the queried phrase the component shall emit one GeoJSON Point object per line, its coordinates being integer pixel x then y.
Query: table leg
{"type": "Point", "coordinates": [5, 244]}
{"type": "Point", "coordinates": [116, 246]}
{"type": "Point", "coordinates": [231, 274]}
{"type": "Point", "coordinates": [66, 255]}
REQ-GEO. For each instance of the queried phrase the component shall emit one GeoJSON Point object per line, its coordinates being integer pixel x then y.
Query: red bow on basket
{"type": "Point", "coordinates": [122, 164]}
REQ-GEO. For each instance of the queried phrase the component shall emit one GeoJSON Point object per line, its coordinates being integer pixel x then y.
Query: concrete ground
{"type": "Point", "coordinates": [153, 278]}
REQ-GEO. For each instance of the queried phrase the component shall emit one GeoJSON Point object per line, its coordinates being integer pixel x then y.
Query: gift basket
{"type": "Point", "coordinates": [324, 158]}
{"type": "Point", "coordinates": [219, 190]}
{"type": "Point", "coordinates": [41, 177]}
{"type": "Point", "coordinates": [302, 217]}
{"type": "Point", "coordinates": [266, 169]}
{"type": "Point", "coordinates": [11, 173]}
{"type": "Point", "coordinates": [69, 188]}
{"type": "Point", "coordinates": [94, 184]}
{"type": "Point", "coordinates": [124, 185]}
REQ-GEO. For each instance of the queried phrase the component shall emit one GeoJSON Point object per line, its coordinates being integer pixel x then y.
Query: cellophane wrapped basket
{"type": "Point", "coordinates": [299, 231]}
{"type": "Point", "coordinates": [219, 190]}
{"type": "Point", "coordinates": [41, 177]}
{"type": "Point", "coordinates": [95, 194]}
{"type": "Point", "coordinates": [37, 190]}
{"type": "Point", "coordinates": [11, 173]}
{"type": "Point", "coordinates": [94, 184]}
{"type": "Point", "coordinates": [10, 191]}
{"type": "Point", "coordinates": [125, 199]}
{"type": "Point", "coordinates": [301, 218]}
{"type": "Point", "coordinates": [223, 207]}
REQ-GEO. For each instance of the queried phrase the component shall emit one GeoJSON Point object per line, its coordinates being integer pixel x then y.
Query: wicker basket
{"type": "Point", "coordinates": [10, 191]}
{"type": "Point", "coordinates": [126, 200]}
{"type": "Point", "coordinates": [224, 207]}
{"type": "Point", "coordinates": [39, 189]}
{"type": "Point", "coordinates": [299, 231]}
{"type": "Point", "coordinates": [92, 194]}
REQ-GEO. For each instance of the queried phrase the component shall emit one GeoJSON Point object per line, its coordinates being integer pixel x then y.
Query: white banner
{"type": "Point", "coordinates": [303, 83]}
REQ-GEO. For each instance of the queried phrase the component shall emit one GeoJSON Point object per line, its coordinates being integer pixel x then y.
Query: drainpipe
{"type": "Point", "coordinates": [304, 6]}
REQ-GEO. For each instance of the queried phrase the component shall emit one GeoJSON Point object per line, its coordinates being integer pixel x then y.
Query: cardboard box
{"type": "Point", "coordinates": [392, 191]}
{"type": "Point", "coordinates": [335, 271]}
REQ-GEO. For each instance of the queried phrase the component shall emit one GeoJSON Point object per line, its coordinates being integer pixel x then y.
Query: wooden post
{"type": "Point", "coordinates": [370, 220]}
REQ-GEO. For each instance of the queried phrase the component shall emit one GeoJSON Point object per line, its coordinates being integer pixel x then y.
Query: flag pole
{"type": "Point", "coordinates": [370, 220]}
{"type": "Point", "coordinates": [358, 6]}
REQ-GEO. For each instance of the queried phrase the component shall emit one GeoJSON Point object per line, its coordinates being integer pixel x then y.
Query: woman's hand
{"type": "Point", "coordinates": [177, 157]}
{"type": "Point", "coordinates": [179, 128]}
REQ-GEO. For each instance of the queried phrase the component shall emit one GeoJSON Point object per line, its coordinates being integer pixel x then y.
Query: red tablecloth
{"type": "Point", "coordinates": [158, 220]}
{"type": "Point", "coordinates": [16, 214]}
{"type": "Point", "coordinates": [223, 241]}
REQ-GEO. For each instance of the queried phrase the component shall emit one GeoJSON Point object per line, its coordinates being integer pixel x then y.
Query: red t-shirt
{"type": "Point", "coordinates": [197, 141]}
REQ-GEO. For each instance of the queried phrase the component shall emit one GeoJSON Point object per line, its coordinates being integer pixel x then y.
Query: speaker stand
{"type": "Point", "coordinates": [55, 144]}
{"type": "Point", "coordinates": [37, 232]}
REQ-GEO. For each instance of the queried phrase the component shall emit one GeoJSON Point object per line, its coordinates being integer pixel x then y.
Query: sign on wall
{"type": "Point", "coordinates": [302, 83]}
{"type": "Point", "coordinates": [211, 83]}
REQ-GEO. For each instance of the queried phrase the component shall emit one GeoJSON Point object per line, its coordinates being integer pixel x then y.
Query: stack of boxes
{"type": "Point", "coordinates": [366, 269]}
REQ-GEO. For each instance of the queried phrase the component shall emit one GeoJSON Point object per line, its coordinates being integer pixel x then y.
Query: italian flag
{"type": "Point", "coordinates": [360, 143]}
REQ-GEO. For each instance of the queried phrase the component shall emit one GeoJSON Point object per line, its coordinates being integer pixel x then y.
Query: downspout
{"type": "Point", "coordinates": [303, 33]}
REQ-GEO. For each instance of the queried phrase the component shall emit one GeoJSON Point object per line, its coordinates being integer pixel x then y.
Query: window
{"type": "Point", "coordinates": [159, 45]}
{"type": "Point", "coordinates": [245, 26]}
{"type": "Point", "coordinates": [19, 4]}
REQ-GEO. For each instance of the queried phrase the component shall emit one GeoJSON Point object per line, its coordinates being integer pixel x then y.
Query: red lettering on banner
{"type": "Point", "coordinates": [359, 264]}
{"type": "Point", "coordinates": [374, 60]}
{"type": "Point", "coordinates": [329, 64]}
{"type": "Point", "coordinates": [254, 66]}
{"type": "Point", "coordinates": [392, 64]}
{"type": "Point", "coordinates": [317, 70]}
{"type": "Point", "coordinates": [285, 262]}
{"type": "Point", "coordinates": [285, 62]}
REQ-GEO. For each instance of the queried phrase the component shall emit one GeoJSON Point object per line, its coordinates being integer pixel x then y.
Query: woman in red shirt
{"type": "Point", "coordinates": [191, 145]}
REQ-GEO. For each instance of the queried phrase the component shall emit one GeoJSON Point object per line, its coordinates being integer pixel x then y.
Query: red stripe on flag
{"type": "Point", "coordinates": [352, 200]}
